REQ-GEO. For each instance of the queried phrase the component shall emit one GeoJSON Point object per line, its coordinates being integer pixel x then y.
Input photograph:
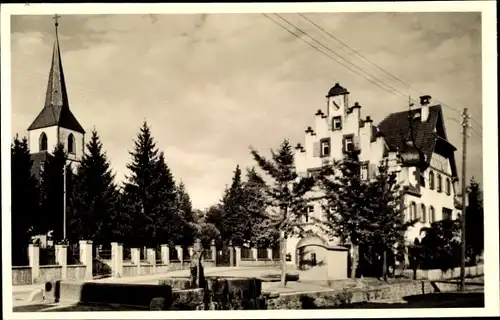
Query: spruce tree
{"type": "Point", "coordinates": [366, 213]}
{"type": "Point", "coordinates": [233, 217]}
{"type": "Point", "coordinates": [150, 195]}
{"type": "Point", "coordinates": [95, 198]}
{"type": "Point", "coordinates": [474, 221]}
{"type": "Point", "coordinates": [24, 200]}
{"type": "Point", "coordinates": [51, 191]}
{"type": "Point", "coordinates": [185, 210]}
{"type": "Point", "coordinates": [286, 195]}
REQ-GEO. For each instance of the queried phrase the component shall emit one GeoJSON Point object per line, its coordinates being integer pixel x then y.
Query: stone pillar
{"type": "Point", "coordinates": [214, 250]}
{"type": "Point", "coordinates": [62, 259]}
{"type": "Point", "coordinates": [180, 253]}
{"type": "Point", "coordinates": [254, 253]}
{"type": "Point", "coordinates": [86, 258]}
{"type": "Point", "coordinates": [238, 256]}
{"type": "Point", "coordinates": [231, 254]}
{"type": "Point", "coordinates": [116, 259]}
{"type": "Point", "coordinates": [135, 254]}
{"type": "Point", "coordinates": [270, 254]}
{"type": "Point", "coordinates": [34, 261]}
{"type": "Point", "coordinates": [165, 254]}
{"type": "Point", "coordinates": [151, 256]}
{"type": "Point", "coordinates": [191, 252]}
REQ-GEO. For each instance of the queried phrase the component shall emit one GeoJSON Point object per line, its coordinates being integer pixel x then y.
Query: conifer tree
{"type": "Point", "coordinates": [286, 195]}
{"type": "Point", "coordinates": [94, 201]}
{"type": "Point", "coordinates": [150, 195]}
{"type": "Point", "coordinates": [185, 210]}
{"type": "Point", "coordinates": [24, 200]}
{"type": "Point", "coordinates": [233, 211]}
{"type": "Point", "coordinates": [366, 213]}
{"type": "Point", "coordinates": [474, 221]}
{"type": "Point", "coordinates": [52, 192]}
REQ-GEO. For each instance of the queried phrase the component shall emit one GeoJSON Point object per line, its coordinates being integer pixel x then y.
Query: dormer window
{"type": "Point", "coordinates": [337, 123]}
{"type": "Point", "coordinates": [348, 143]}
{"type": "Point", "coordinates": [325, 147]}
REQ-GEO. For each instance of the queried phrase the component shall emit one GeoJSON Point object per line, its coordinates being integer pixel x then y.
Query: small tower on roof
{"type": "Point", "coordinates": [56, 123]}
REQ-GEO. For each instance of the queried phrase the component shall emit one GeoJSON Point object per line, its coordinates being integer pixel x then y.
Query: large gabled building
{"type": "Point", "coordinates": [423, 159]}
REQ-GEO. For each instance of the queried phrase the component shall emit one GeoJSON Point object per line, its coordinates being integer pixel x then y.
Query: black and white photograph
{"type": "Point", "coordinates": [198, 158]}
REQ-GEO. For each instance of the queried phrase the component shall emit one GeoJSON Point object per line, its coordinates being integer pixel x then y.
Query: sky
{"type": "Point", "coordinates": [213, 85]}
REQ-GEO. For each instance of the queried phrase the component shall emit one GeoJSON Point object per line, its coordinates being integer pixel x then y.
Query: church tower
{"type": "Point", "coordinates": [55, 123]}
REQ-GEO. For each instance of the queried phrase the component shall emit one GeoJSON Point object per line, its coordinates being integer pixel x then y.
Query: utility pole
{"type": "Point", "coordinates": [465, 125]}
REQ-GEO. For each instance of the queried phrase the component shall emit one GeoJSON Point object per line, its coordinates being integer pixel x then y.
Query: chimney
{"type": "Point", "coordinates": [424, 102]}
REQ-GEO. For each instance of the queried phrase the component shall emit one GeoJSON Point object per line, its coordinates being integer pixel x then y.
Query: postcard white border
{"type": "Point", "coordinates": [490, 154]}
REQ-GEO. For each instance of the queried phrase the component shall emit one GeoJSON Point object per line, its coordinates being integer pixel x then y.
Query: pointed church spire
{"type": "Point", "coordinates": [56, 95]}
{"type": "Point", "coordinates": [56, 110]}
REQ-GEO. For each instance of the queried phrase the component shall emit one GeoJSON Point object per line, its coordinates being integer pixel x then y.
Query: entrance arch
{"type": "Point", "coordinates": [311, 252]}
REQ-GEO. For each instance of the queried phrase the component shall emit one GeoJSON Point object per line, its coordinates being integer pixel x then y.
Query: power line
{"type": "Point", "coordinates": [377, 66]}
{"type": "Point", "coordinates": [336, 54]}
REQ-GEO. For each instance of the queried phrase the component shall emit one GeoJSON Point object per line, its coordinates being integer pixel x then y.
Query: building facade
{"type": "Point", "coordinates": [55, 123]}
{"type": "Point", "coordinates": [429, 186]}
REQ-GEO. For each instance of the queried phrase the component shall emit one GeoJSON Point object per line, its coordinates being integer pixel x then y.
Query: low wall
{"type": "Point", "coordinates": [259, 263]}
{"type": "Point", "coordinates": [50, 272]}
{"type": "Point", "coordinates": [394, 292]}
{"type": "Point", "coordinates": [21, 275]}
{"type": "Point", "coordinates": [436, 274]}
{"type": "Point", "coordinates": [76, 272]}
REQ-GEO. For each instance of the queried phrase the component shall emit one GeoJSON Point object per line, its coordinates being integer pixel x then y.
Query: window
{"type": "Point", "coordinates": [336, 123]}
{"type": "Point", "coordinates": [43, 142]}
{"type": "Point", "coordinates": [364, 171]}
{"type": "Point", "coordinates": [431, 180]}
{"type": "Point", "coordinates": [423, 213]}
{"type": "Point", "coordinates": [310, 209]}
{"type": "Point", "coordinates": [325, 147]}
{"type": "Point", "coordinates": [432, 215]}
{"type": "Point", "coordinates": [447, 214]}
{"type": "Point", "coordinates": [348, 143]}
{"type": "Point", "coordinates": [439, 183]}
{"type": "Point", "coordinates": [71, 143]}
{"type": "Point", "coordinates": [413, 211]}
{"type": "Point", "coordinates": [448, 186]}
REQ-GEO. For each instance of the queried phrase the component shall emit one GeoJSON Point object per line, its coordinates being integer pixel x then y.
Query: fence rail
{"type": "Point", "coordinates": [276, 253]}
{"type": "Point", "coordinates": [47, 256]}
{"type": "Point", "coordinates": [246, 253]}
{"type": "Point", "coordinates": [262, 253]}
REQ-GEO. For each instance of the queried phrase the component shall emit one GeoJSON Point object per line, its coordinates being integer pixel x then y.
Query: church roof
{"type": "Point", "coordinates": [395, 128]}
{"type": "Point", "coordinates": [56, 110]}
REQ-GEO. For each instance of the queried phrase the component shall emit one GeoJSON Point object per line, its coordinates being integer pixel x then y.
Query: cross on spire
{"type": "Point", "coordinates": [56, 19]}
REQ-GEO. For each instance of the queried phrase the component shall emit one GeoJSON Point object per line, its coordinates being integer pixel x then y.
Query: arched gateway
{"type": "Point", "coordinates": [311, 252]}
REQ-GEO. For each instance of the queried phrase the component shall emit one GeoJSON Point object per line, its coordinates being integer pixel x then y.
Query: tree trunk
{"type": "Point", "coordinates": [283, 258]}
{"type": "Point", "coordinates": [354, 260]}
{"type": "Point", "coordinates": [384, 265]}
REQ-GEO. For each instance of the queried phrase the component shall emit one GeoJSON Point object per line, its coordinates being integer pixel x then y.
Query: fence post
{"type": "Point", "coordinates": [34, 261]}
{"type": "Point", "coordinates": [62, 259]}
{"type": "Point", "coordinates": [214, 250]}
{"type": "Point", "coordinates": [151, 256]}
{"type": "Point", "coordinates": [231, 254]}
{"type": "Point", "coordinates": [135, 255]}
{"type": "Point", "coordinates": [180, 254]}
{"type": "Point", "coordinates": [191, 252]}
{"type": "Point", "coordinates": [255, 253]}
{"type": "Point", "coordinates": [238, 255]}
{"type": "Point", "coordinates": [165, 254]}
{"type": "Point", "coordinates": [270, 254]}
{"type": "Point", "coordinates": [86, 257]}
{"type": "Point", "coordinates": [116, 259]}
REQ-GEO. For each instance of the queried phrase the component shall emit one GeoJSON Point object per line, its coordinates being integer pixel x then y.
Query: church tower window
{"type": "Point", "coordinates": [43, 142]}
{"type": "Point", "coordinates": [71, 143]}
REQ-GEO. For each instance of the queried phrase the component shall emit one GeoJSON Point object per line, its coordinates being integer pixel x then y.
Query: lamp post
{"type": "Point", "coordinates": [64, 196]}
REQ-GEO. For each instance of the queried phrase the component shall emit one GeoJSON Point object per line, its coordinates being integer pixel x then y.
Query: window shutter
{"type": "Point", "coordinates": [317, 149]}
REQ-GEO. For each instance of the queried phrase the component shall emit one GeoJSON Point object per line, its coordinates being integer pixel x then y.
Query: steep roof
{"type": "Point", "coordinates": [56, 110]}
{"type": "Point", "coordinates": [395, 128]}
{"type": "Point", "coordinates": [337, 90]}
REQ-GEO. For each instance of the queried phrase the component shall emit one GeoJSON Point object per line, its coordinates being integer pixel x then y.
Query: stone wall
{"type": "Point", "coordinates": [21, 275]}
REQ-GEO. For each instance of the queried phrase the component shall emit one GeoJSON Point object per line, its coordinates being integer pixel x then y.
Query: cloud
{"type": "Point", "coordinates": [212, 85]}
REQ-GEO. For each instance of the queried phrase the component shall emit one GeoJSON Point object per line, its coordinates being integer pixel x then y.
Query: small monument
{"type": "Point", "coordinates": [197, 275]}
